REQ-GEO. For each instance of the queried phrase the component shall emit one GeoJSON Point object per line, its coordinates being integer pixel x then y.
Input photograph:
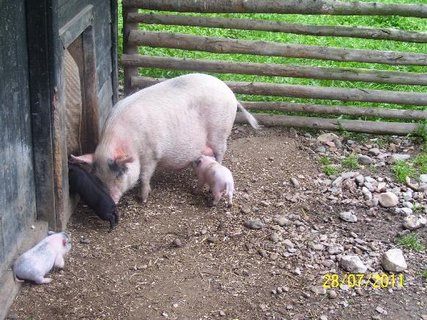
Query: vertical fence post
{"type": "Point", "coordinates": [129, 71]}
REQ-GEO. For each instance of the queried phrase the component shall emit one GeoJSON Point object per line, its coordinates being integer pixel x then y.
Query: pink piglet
{"type": "Point", "coordinates": [217, 177]}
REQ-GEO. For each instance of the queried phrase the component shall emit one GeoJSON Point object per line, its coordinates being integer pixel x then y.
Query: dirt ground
{"type": "Point", "coordinates": [178, 258]}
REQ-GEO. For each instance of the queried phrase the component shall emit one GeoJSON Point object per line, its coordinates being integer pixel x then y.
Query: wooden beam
{"type": "Point", "coordinates": [333, 124]}
{"type": "Point", "coordinates": [328, 7]}
{"type": "Point", "coordinates": [336, 110]}
{"type": "Point", "coordinates": [298, 91]}
{"type": "Point", "coordinates": [268, 48]}
{"type": "Point", "coordinates": [278, 26]}
{"type": "Point", "coordinates": [269, 69]}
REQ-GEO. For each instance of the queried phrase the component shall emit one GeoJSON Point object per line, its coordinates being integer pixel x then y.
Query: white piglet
{"type": "Point", "coordinates": [39, 260]}
{"type": "Point", "coordinates": [167, 125]}
{"type": "Point", "coordinates": [216, 176]}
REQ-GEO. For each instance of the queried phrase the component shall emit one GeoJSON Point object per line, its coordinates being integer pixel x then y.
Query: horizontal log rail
{"type": "Point", "coordinates": [298, 91]}
{"type": "Point", "coordinates": [337, 110]}
{"type": "Point", "coordinates": [278, 26]}
{"type": "Point", "coordinates": [334, 124]}
{"type": "Point", "coordinates": [267, 48]}
{"type": "Point", "coordinates": [327, 7]}
{"type": "Point", "coordinates": [268, 69]}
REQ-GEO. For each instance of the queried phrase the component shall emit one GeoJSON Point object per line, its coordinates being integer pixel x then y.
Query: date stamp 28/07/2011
{"type": "Point", "coordinates": [361, 280]}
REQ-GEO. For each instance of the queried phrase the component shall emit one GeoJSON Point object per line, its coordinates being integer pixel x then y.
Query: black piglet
{"type": "Point", "coordinates": [92, 192]}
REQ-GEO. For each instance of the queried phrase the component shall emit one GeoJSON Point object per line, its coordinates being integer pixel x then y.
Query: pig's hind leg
{"type": "Point", "coordinates": [42, 280]}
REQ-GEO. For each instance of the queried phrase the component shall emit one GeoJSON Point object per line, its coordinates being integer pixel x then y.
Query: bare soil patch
{"type": "Point", "coordinates": [178, 258]}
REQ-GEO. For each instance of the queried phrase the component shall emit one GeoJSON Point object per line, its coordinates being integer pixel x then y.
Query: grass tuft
{"type": "Point", "coordinates": [411, 241]}
{"type": "Point", "coordinates": [402, 169]}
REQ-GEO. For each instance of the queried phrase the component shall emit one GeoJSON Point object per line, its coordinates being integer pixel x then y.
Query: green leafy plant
{"type": "Point", "coordinates": [411, 241]}
{"type": "Point", "coordinates": [418, 208]}
{"type": "Point", "coordinates": [330, 170]}
{"type": "Point", "coordinates": [421, 162]}
{"type": "Point", "coordinates": [325, 160]}
{"type": "Point", "coordinates": [424, 273]}
{"type": "Point", "coordinates": [402, 169]}
{"type": "Point", "coordinates": [351, 162]}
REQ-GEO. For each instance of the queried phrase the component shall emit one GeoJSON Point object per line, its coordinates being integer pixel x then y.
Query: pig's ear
{"type": "Point", "coordinates": [198, 161]}
{"type": "Point", "coordinates": [119, 164]}
{"type": "Point", "coordinates": [86, 158]}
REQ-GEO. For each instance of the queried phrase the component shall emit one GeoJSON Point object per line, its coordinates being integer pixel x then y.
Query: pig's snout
{"type": "Point", "coordinates": [115, 195]}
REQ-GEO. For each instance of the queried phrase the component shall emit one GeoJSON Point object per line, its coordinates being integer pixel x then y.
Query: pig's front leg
{"type": "Point", "coordinates": [59, 262]}
{"type": "Point", "coordinates": [147, 172]}
{"type": "Point", "coordinates": [216, 192]}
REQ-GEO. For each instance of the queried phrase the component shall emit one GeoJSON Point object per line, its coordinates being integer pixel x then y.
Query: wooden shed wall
{"type": "Point", "coordinates": [17, 196]}
{"type": "Point", "coordinates": [104, 46]}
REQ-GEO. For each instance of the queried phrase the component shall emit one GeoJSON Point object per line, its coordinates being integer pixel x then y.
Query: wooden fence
{"type": "Point", "coordinates": [405, 119]}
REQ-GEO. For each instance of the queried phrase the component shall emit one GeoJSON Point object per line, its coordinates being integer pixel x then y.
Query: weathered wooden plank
{"type": "Point", "coordinates": [114, 51]}
{"type": "Point", "coordinates": [334, 124]}
{"type": "Point", "coordinates": [105, 102]}
{"type": "Point", "coordinates": [337, 110]}
{"type": "Point", "coordinates": [268, 48]}
{"type": "Point", "coordinates": [41, 94]}
{"type": "Point", "coordinates": [279, 26]}
{"type": "Point", "coordinates": [75, 27]}
{"type": "Point", "coordinates": [298, 91]}
{"type": "Point", "coordinates": [328, 7]}
{"type": "Point", "coordinates": [269, 69]}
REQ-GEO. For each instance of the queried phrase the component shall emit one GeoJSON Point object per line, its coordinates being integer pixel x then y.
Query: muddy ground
{"type": "Point", "coordinates": [178, 258]}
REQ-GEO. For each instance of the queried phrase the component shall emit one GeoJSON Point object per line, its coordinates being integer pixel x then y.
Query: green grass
{"type": "Point", "coordinates": [325, 160]}
{"type": "Point", "coordinates": [423, 273]}
{"type": "Point", "coordinates": [421, 162]}
{"type": "Point", "coordinates": [330, 170]}
{"type": "Point", "coordinates": [411, 241]}
{"type": "Point", "coordinates": [351, 162]}
{"type": "Point", "coordinates": [402, 169]}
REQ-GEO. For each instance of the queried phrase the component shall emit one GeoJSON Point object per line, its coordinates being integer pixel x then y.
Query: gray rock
{"type": "Point", "coordinates": [288, 243]}
{"type": "Point", "coordinates": [360, 179]}
{"type": "Point", "coordinates": [388, 199]}
{"type": "Point", "coordinates": [332, 294]}
{"type": "Point", "coordinates": [400, 156]}
{"type": "Point", "coordinates": [423, 178]}
{"type": "Point", "coordinates": [245, 209]}
{"type": "Point", "coordinates": [413, 222]}
{"type": "Point", "coordinates": [327, 137]}
{"type": "Point", "coordinates": [254, 224]}
{"type": "Point", "coordinates": [352, 264]}
{"type": "Point", "coordinates": [367, 195]}
{"type": "Point", "coordinates": [348, 216]}
{"type": "Point", "coordinates": [404, 212]}
{"type": "Point", "coordinates": [318, 290]}
{"type": "Point", "coordinates": [381, 310]}
{"type": "Point", "coordinates": [349, 175]}
{"type": "Point", "coordinates": [282, 220]}
{"type": "Point", "coordinates": [365, 160]}
{"type": "Point", "coordinates": [374, 151]}
{"type": "Point", "coordinates": [335, 249]}
{"type": "Point", "coordinates": [394, 261]}
{"type": "Point", "coordinates": [274, 237]}
{"type": "Point", "coordinates": [295, 182]}
{"type": "Point", "coordinates": [317, 246]}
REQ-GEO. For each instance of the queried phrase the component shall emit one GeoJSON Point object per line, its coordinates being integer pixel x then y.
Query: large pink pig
{"type": "Point", "coordinates": [167, 125]}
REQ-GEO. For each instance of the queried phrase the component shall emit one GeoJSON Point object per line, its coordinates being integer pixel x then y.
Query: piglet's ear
{"type": "Point", "coordinates": [64, 242]}
{"type": "Point", "coordinates": [86, 158]}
